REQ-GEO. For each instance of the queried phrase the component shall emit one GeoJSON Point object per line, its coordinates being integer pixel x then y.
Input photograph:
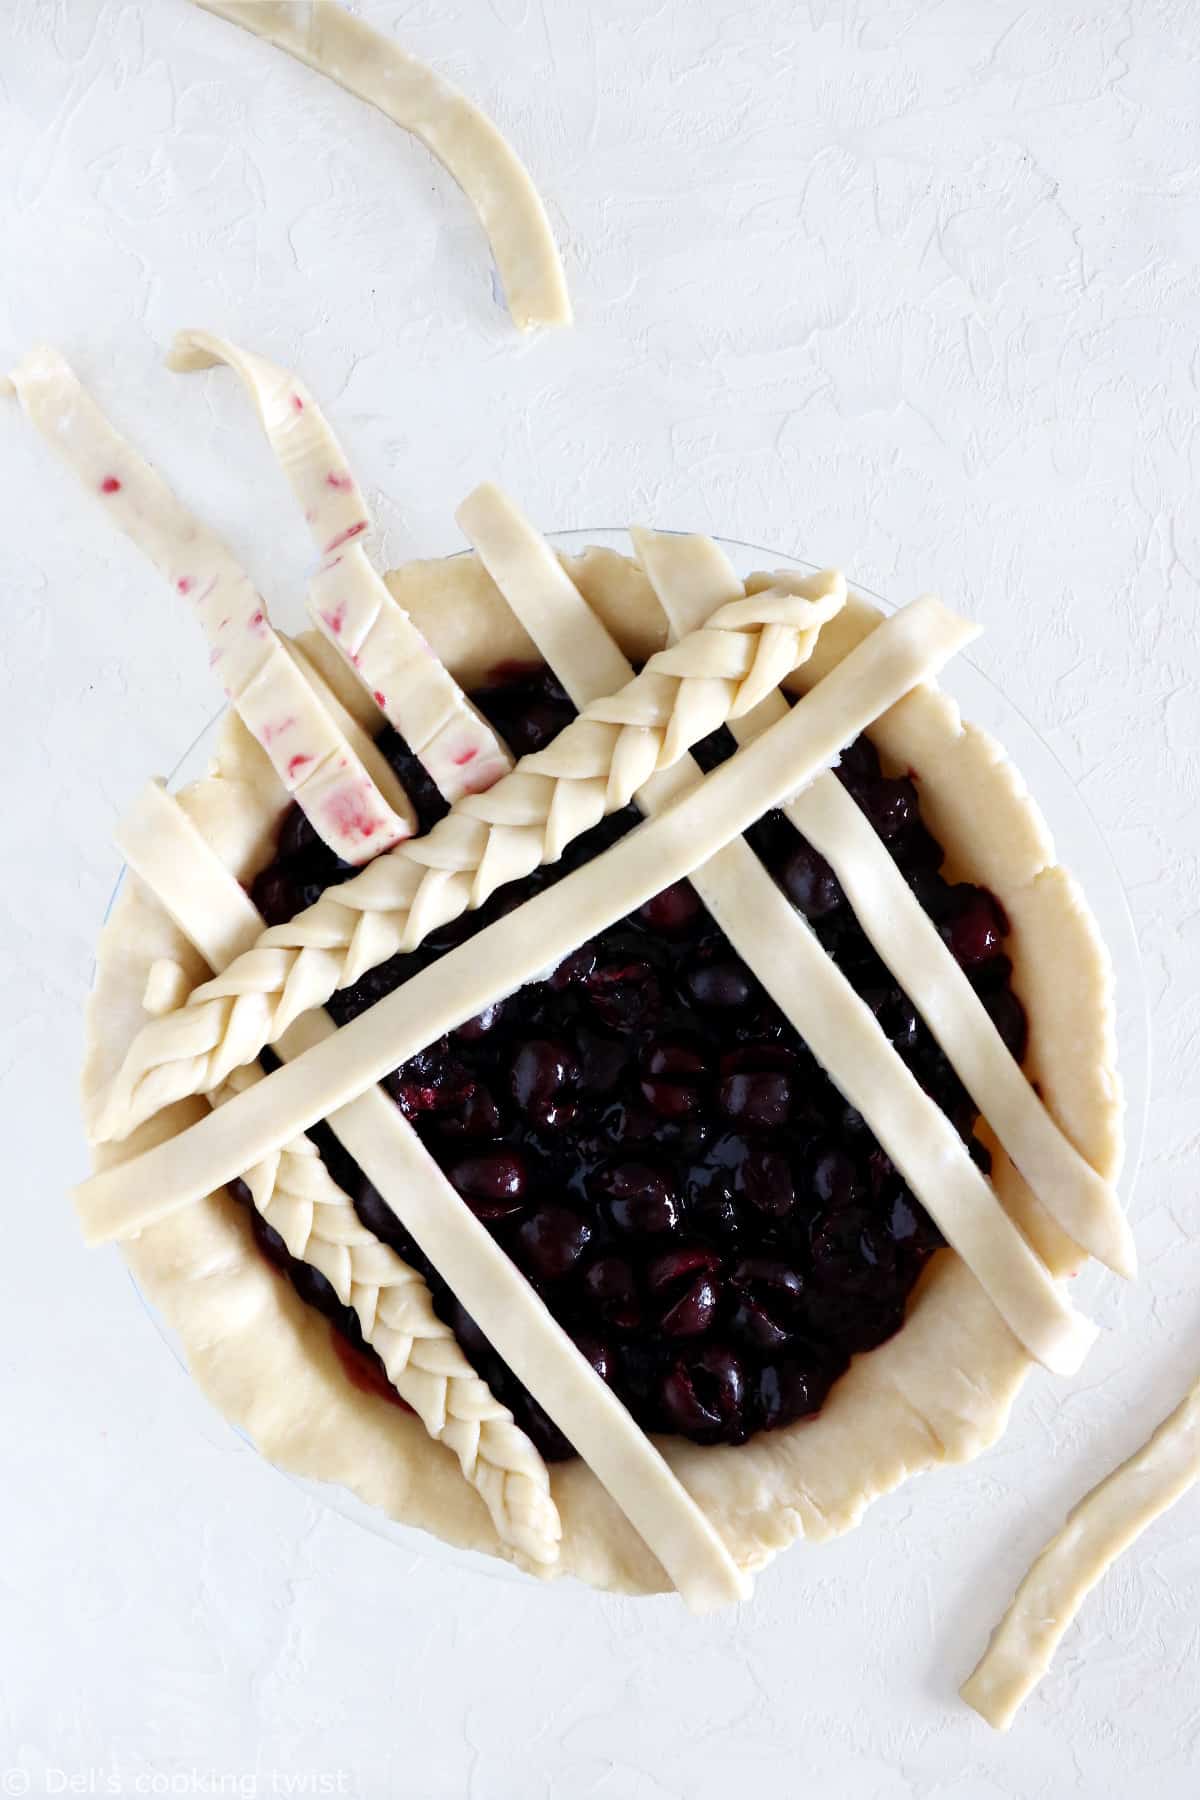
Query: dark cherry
{"type": "Point", "coordinates": [477, 1117]}
{"type": "Point", "coordinates": [483, 1022]}
{"type": "Point", "coordinates": [551, 1241]}
{"type": "Point", "coordinates": [891, 806]}
{"type": "Point", "coordinates": [540, 1071]}
{"type": "Point", "coordinates": [757, 1100]}
{"type": "Point", "coordinates": [768, 1296]}
{"type": "Point", "coordinates": [976, 927]}
{"type": "Point", "coordinates": [852, 1252]}
{"type": "Point", "coordinates": [611, 1289]}
{"type": "Point", "coordinates": [672, 911]}
{"type": "Point", "coordinates": [624, 995]}
{"type": "Point", "coordinates": [810, 883]}
{"type": "Point", "coordinates": [834, 1178]}
{"type": "Point", "coordinates": [704, 1397]}
{"type": "Point", "coordinates": [643, 1132]}
{"type": "Point", "coordinates": [688, 1291]}
{"type": "Point", "coordinates": [493, 1185]}
{"type": "Point", "coordinates": [789, 1389]}
{"type": "Point", "coordinates": [721, 986]}
{"type": "Point", "coordinates": [640, 1199]}
{"type": "Point", "coordinates": [694, 1311]}
{"type": "Point", "coordinates": [767, 1183]}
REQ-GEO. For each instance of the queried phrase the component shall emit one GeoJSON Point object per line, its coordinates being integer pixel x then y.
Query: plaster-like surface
{"type": "Point", "coordinates": [908, 287]}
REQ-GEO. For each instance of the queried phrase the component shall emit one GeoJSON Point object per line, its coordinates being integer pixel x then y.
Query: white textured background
{"type": "Point", "coordinates": [912, 287]}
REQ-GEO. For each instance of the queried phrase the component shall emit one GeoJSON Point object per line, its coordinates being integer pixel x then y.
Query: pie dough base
{"type": "Point", "coordinates": [939, 1391]}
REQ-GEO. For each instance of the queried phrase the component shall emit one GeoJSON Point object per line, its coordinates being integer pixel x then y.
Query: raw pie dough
{"type": "Point", "coordinates": [1098, 1529]}
{"type": "Point", "coordinates": [939, 1390]}
{"type": "Point", "coordinates": [463, 139]}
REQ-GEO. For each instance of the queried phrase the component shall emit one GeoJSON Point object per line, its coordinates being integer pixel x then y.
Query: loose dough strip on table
{"type": "Point", "coordinates": [524, 821]}
{"type": "Point", "coordinates": [312, 756]}
{"type": "Point", "coordinates": [789, 960]}
{"type": "Point", "coordinates": [201, 896]}
{"type": "Point", "coordinates": [692, 576]}
{"type": "Point", "coordinates": [905, 649]}
{"type": "Point", "coordinates": [349, 601]}
{"type": "Point", "coordinates": [462, 138]}
{"type": "Point", "coordinates": [1098, 1529]}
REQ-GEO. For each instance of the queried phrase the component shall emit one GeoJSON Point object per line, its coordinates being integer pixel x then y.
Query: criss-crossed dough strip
{"type": "Point", "coordinates": [486, 840]}
{"type": "Point", "coordinates": [349, 601]}
{"type": "Point", "coordinates": [775, 942]}
{"type": "Point", "coordinates": [294, 1192]}
{"type": "Point", "coordinates": [344, 789]}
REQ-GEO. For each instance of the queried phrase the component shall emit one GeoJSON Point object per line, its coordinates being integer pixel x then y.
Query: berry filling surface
{"type": "Point", "coordinates": [646, 1135]}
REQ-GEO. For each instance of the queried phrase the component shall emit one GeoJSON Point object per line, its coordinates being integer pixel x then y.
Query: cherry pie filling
{"type": "Point", "coordinates": [647, 1136]}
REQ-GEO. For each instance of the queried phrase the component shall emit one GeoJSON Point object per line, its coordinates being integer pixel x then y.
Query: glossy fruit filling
{"type": "Point", "coordinates": [649, 1139]}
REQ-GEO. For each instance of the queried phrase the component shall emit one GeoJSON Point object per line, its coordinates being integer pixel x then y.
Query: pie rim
{"type": "Point", "coordinates": [940, 1390]}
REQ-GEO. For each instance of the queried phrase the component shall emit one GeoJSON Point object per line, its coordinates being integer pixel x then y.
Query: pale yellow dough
{"type": "Point", "coordinates": [939, 1390]}
{"type": "Point", "coordinates": [1098, 1529]}
{"type": "Point", "coordinates": [334, 43]}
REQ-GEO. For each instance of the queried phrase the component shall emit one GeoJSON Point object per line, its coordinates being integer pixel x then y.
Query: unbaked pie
{"type": "Point", "coordinates": [606, 1065]}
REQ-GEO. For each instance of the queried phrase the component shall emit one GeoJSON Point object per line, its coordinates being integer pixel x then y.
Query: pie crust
{"type": "Point", "coordinates": [940, 1390]}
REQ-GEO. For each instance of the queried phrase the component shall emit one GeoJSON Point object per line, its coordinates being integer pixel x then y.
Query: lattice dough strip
{"type": "Point", "coordinates": [486, 840]}
{"type": "Point", "coordinates": [692, 577]}
{"type": "Point", "coordinates": [295, 1193]}
{"type": "Point", "coordinates": [464, 141]}
{"type": "Point", "coordinates": [550, 925]}
{"type": "Point", "coordinates": [312, 756]}
{"type": "Point", "coordinates": [349, 601]}
{"type": "Point", "coordinates": [791, 963]}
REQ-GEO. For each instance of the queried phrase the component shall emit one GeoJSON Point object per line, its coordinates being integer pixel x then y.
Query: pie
{"type": "Point", "coordinates": [608, 1159]}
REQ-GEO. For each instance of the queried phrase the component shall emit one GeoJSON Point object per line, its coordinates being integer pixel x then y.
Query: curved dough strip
{"type": "Point", "coordinates": [544, 929]}
{"type": "Point", "coordinates": [310, 753]}
{"type": "Point", "coordinates": [463, 139]}
{"type": "Point", "coordinates": [790, 962]}
{"type": "Point", "coordinates": [1098, 1529]}
{"type": "Point", "coordinates": [349, 601]}
{"type": "Point", "coordinates": [692, 576]}
{"type": "Point", "coordinates": [204, 900]}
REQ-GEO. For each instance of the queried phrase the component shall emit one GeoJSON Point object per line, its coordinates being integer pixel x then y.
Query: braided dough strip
{"type": "Point", "coordinates": [310, 753]}
{"type": "Point", "coordinates": [550, 925]}
{"type": "Point", "coordinates": [1103, 1525]}
{"type": "Point", "coordinates": [691, 577]}
{"type": "Point", "coordinates": [463, 139]}
{"type": "Point", "coordinates": [591, 769]}
{"type": "Point", "coordinates": [790, 962]}
{"type": "Point", "coordinates": [348, 600]}
{"type": "Point", "coordinates": [295, 1193]}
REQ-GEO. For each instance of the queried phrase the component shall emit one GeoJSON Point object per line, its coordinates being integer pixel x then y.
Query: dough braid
{"type": "Point", "coordinates": [296, 1195]}
{"type": "Point", "coordinates": [592, 768]}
